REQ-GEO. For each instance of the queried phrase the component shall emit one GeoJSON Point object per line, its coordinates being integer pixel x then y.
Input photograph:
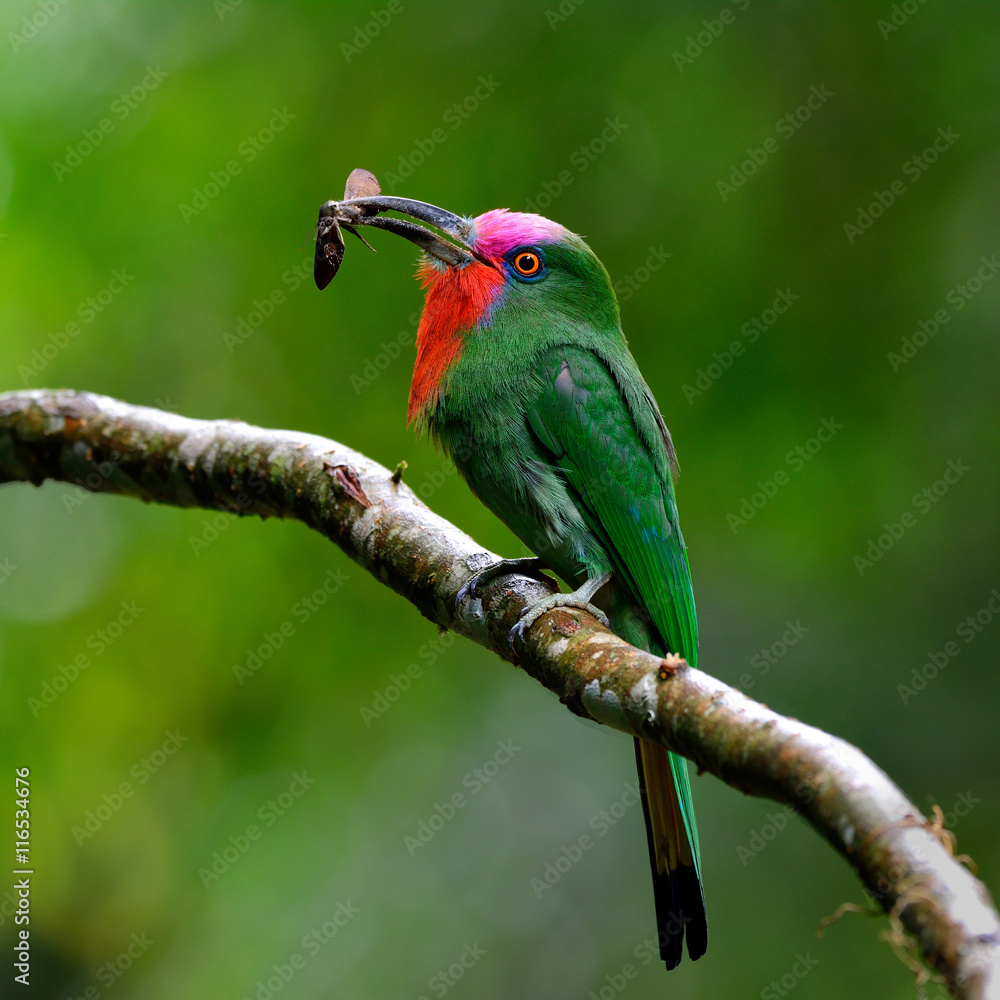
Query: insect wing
{"type": "Point", "coordinates": [329, 252]}
{"type": "Point", "coordinates": [361, 184]}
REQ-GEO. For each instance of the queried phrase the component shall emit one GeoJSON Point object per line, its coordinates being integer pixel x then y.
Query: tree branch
{"type": "Point", "coordinates": [111, 447]}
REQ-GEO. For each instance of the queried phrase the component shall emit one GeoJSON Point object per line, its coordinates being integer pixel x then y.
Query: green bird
{"type": "Point", "coordinates": [524, 377]}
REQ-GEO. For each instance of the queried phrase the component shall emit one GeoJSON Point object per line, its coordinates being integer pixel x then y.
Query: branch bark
{"type": "Point", "coordinates": [113, 447]}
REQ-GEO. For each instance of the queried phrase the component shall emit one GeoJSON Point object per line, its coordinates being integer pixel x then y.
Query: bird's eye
{"type": "Point", "coordinates": [527, 262]}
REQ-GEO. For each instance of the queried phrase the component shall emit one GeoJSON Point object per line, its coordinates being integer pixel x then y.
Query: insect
{"type": "Point", "coordinates": [362, 203]}
{"type": "Point", "coordinates": [329, 239]}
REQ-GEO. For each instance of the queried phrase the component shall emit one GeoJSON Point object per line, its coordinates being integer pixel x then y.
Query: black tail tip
{"type": "Point", "coordinates": [683, 917]}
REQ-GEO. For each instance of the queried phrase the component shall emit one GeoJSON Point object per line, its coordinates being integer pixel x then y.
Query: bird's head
{"type": "Point", "coordinates": [501, 274]}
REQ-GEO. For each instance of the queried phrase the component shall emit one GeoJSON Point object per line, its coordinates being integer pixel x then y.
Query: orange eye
{"type": "Point", "coordinates": [527, 263]}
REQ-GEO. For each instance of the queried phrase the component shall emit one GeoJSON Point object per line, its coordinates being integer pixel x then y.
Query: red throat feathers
{"type": "Point", "coordinates": [457, 300]}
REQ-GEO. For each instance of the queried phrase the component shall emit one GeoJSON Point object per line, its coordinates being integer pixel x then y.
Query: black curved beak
{"type": "Point", "coordinates": [362, 205]}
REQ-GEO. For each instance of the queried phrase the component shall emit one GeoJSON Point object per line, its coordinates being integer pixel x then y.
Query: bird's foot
{"type": "Point", "coordinates": [528, 566]}
{"type": "Point", "coordinates": [579, 598]}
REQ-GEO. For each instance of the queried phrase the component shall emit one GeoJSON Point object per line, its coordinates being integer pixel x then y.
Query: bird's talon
{"type": "Point", "coordinates": [530, 566]}
{"type": "Point", "coordinates": [601, 617]}
{"type": "Point", "coordinates": [468, 590]}
{"type": "Point", "coordinates": [518, 632]}
{"type": "Point", "coordinates": [531, 615]}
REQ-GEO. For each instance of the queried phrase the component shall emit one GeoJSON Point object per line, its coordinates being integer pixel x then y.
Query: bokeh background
{"type": "Point", "coordinates": [222, 127]}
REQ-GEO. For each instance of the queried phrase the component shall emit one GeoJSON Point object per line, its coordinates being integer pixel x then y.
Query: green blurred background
{"type": "Point", "coordinates": [295, 95]}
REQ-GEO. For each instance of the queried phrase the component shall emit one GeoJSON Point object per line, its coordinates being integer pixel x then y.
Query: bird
{"type": "Point", "coordinates": [524, 378]}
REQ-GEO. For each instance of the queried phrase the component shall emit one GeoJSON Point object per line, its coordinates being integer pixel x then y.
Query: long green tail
{"type": "Point", "coordinates": [671, 832]}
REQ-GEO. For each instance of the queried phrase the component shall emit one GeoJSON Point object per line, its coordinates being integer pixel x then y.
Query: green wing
{"type": "Point", "coordinates": [616, 459]}
{"type": "Point", "coordinates": [598, 423]}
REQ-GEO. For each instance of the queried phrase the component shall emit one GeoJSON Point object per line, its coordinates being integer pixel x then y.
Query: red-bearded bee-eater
{"type": "Point", "coordinates": [524, 378]}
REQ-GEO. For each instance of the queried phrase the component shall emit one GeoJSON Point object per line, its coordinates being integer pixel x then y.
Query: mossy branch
{"type": "Point", "coordinates": [903, 860]}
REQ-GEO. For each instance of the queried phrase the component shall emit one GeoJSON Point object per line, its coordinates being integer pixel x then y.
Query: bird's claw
{"type": "Point", "coordinates": [531, 615]}
{"type": "Point", "coordinates": [529, 566]}
{"type": "Point", "coordinates": [468, 590]}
